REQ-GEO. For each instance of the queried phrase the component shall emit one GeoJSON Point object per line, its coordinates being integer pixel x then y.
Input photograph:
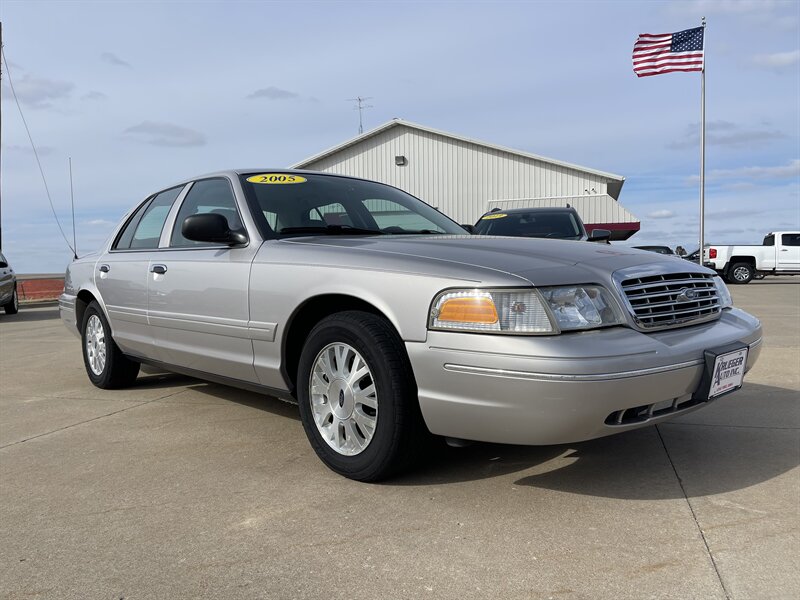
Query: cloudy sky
{"type": "Point", "coordinates": [142, 94]}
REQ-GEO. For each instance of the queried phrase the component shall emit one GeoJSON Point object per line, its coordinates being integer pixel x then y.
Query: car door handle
{"type": "Point", "coordinates": [104, 268]}
{"type": "Point", "coordinates": [784, 249]}
{"type": "Point", "coordinates": [158, 269]}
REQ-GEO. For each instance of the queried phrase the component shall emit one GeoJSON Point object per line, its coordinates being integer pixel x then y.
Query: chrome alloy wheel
{"type": "Point", "coordinates": [344, 402]}
{"type": "Point", "coordinates": [741, 273]}
{"type": "Point", "coordinates": [96, 345]}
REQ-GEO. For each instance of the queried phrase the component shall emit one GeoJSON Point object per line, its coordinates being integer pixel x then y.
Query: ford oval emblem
{"type": "Point", "coordinates": [686, 295]}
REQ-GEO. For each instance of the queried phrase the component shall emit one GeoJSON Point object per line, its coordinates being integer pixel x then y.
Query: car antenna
{"type": "Point", "coordinates": [72, 201]}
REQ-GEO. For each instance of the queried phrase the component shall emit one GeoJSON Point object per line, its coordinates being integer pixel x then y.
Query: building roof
{"type": "Point", "coordinates": [402, 123]}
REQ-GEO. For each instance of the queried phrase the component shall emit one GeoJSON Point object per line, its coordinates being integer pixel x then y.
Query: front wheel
{"type": "Point", "coordinates": [106, 365]}
{"type": "Point", "coordinates": [740, 273]}
{"type": "Point", "coordinates": [12, 307]}
{"type": "Point", "coordinates": [357, 396]}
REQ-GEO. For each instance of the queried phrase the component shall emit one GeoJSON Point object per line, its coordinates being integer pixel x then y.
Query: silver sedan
{"type": "Point", "coordinates": [387, 323]}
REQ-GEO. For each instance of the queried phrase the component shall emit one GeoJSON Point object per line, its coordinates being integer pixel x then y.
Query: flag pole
{"type": "Point", "coordinates": [703, 149]}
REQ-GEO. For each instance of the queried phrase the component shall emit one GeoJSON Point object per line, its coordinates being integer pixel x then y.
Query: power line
{"type": "Point", "coordinates": [360, 107]}
{"type": "Point", "coordinates": [35, 153]}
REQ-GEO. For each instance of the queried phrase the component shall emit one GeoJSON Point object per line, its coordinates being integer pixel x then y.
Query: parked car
{"type": "Point", "coordinates": [9, 299]}
{"type": "Point", "coordinates": [779, 254]}
{"type": "Point", "coordinates": [386, 323]}
{"type": "Point", "coordinates": [657, 249]}
{"type": "Point", "coordinates": [562, 223]}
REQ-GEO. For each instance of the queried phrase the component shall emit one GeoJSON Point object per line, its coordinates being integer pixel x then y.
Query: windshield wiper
{"type": "Point", "coordinates": [415, 231]}
{"type": "Point", "coordinates": [331, 229]}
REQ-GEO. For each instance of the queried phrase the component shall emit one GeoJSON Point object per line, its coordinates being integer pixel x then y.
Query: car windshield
{"type": "Point", "coordinates": [292, 204]}
{"type": "Point", "coordinates": [560, 225]}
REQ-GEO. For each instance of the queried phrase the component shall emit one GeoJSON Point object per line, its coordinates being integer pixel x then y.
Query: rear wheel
{"type": "Point", "coordinates": [740, 273]}
{"type": "Point", "coordinates": [106, 365]}
{"type": "Point", "coordinates": [12, 307]}
{"type": "Point", "coordinates": [357, 396]}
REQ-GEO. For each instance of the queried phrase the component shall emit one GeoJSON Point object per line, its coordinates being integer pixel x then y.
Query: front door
{"type": "Point", "coordinates": [198, 292]}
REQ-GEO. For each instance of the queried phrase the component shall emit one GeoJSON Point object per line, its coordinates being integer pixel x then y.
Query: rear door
{"type": "Point", "coordinates": [198, 292]}
{"type": "Point", "coordinates": [121, 273]}
{"type": "Point", "coordinates": [789, 252]}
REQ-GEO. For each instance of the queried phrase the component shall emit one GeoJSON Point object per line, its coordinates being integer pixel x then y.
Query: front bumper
{"type": "Point", "coordinates": [566, 388]}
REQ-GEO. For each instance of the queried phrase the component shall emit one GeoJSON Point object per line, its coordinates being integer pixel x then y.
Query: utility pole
{"type": "Point", "coordinates": [360, 107]}
{"type": "Point", "coordinates": [1, 134]}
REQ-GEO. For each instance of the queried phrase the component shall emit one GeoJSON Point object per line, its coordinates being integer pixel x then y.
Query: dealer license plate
{"type": "Point", "coordinates": [728, 372]}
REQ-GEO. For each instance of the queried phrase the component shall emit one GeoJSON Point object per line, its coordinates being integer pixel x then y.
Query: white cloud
{"type": "Point", "coordinates": [94, 95]}
{"type": "Point", "coordinates": [41, 150]}
{"type": "Point", "coordinates": [166, 134]}
{"type": "Point", "coordinates": [273, 93]}
{"type": "Point", "coordinates": [764, 173]}
{"type": "Point", "coordinates": [39, 92]}
{"type": "Point", "coordinates": [115, 60]}
{"type": "Point", "coordinates": [777, 61]}
{"type": "Point", "coordinates": [99, 223]}
{"type": "Point", "coordinates": [661, 214]}
{"type": "Point", "coordinates": [775, 14]}
{"type": "Point", "coordinates": [723, 133]}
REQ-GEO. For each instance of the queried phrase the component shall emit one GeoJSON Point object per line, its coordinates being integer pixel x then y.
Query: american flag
{"type": "Point", "coordinates": [657, 53]}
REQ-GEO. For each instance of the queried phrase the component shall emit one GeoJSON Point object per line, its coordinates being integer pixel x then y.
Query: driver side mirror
{"type": "Point", "coordinates": [212, 228]}
{"type": "Point", "coordinates": [599, 235]}
{"type": "Point", "coordinates": [468, 228]}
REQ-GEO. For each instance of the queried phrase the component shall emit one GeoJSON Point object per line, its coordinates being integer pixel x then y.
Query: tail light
{"type": "Point", "coordinates": [712, 253]}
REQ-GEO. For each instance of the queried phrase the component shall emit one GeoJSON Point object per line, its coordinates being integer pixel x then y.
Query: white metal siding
{"type": "Point", "coordinates": [458, 177]}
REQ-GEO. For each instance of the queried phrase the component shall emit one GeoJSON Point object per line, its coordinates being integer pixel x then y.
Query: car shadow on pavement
{"type": "Point", "coordinates": [725, 447]}
{"type": "Point", "coordinates": [27, 315]}
{"type": "Point", "coordinates": [263, 402]}
{"type": "Point", "coordinates": [733, 453]}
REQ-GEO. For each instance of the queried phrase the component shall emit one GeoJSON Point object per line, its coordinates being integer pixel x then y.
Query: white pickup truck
{"type": "Point", "coordinates": [779, 254]}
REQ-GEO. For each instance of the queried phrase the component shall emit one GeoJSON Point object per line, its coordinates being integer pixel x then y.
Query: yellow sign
{"type": "Point", "coordinates": [486, 217]}
{"type": "Point", "coordinates": [276, 178]}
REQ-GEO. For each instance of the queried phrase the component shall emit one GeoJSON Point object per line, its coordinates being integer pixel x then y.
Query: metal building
{"type": "Point", "coordinates": [464, 178]}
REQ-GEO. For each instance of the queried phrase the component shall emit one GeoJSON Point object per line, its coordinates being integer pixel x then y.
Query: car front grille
{"type": "Point", "coordinates": [671, 299]}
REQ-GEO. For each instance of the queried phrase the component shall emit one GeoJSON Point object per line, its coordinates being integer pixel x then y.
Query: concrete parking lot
{"type": "Point", "coordinates": [182, 489]}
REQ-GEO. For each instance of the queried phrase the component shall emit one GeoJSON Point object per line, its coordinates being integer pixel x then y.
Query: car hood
{"type": "Point", "coordinates": [540, 261]}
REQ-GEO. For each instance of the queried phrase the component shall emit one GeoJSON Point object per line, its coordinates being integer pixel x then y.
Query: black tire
{"type": "Point", "coordinates": [118, 371]}
{"type": "Point", "coordinates": [12, 307]}
{"type": "Point", "coordinates": [400, 433]}
{"type": "Point", "coordinates": [740, 273]}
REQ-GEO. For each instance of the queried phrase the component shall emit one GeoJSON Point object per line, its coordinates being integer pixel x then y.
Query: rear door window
{"type": "Point", "coordinates": [143, 229]}
{"type": "Point", "coordinates": [790, 239]}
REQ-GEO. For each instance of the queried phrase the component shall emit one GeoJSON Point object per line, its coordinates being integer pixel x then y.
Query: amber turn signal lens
{"type": "Point", "coordinates": [468, 310]}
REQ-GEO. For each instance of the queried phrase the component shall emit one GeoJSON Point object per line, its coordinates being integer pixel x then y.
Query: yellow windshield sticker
{"type": "Point", "coordinates": [492, 216]}
{"type": "Point", "coordinates": [276, 178]}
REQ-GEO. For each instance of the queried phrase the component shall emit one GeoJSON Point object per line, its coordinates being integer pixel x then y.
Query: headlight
{"type": "Point", "coordinates": [525, 311]}
{"type": "Point", "coordinates": [723, 293]}
{"type": "Point", "coordinates": [501, 311]}
{"type": "Point", "coordinates": [582, 307]}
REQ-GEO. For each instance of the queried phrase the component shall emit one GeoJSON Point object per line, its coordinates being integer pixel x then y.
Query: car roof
{"type": "Point", "coordinates": [234, 173]}
{"type": "Point", "coordinates": [532, 209]}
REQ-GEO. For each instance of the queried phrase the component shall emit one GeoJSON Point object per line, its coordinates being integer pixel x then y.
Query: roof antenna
{"type": "Point", "coordinates": [360, 107]}
{"type": "Point", "coordinates": [72, 200]}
